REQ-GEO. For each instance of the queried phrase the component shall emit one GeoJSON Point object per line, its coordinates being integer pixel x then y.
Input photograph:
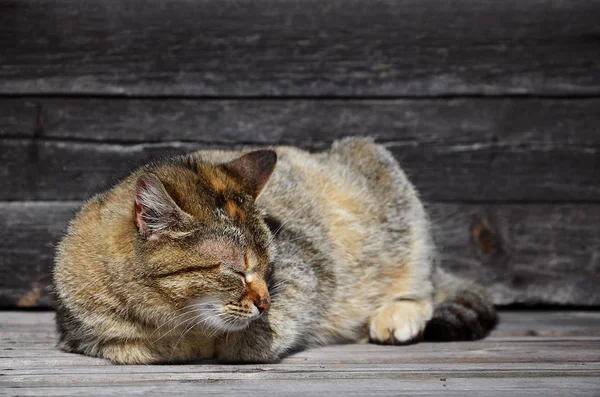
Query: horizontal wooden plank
{"type": "Point", "coordinates": [43, 169]}
{"type": "Point", "coordinates": [301, 47]}
{"type": "Point", "coordinates": [523, 253]}
{"type": "Point", "coordinates": [488, 386]}
{"type": "Point", "coordinates": [51, 170]}
{"type": "Point", "coordinates": [459, 358]}
{"type": "Point", "coordinates": [37, 331]}
{"type": "Point", "coordinates": [496, 366]}
{"type": "Point", "coordinates": [114, 375]}
{"type": "Point", "coordinates": [103, 374]}
{"type": "Point", "coordinates": [27, 252]}
{"type": "Point", "coordinates": [417, 361]}
{"type": "Point", "coordinates": [493, 149]}
{"type": "Point", "coordinates": [505, 122]}
{"type": "Point", "coordinates": [17, 326]}
{"type": "Point", "coordinates": [548, 323]}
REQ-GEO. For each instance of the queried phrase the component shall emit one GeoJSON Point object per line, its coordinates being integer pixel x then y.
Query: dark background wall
{"type": "Point", "coordinates": [492, 107]}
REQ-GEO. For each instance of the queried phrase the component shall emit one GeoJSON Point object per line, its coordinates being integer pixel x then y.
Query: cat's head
{"type": "Point", "coordinates": [201, 240]}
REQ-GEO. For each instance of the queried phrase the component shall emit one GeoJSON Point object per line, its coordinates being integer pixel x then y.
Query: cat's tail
{"type": "Point", "coordinates": [463, 310]}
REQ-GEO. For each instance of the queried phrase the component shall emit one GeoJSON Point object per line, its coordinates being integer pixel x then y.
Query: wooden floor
{"type": "Point", "coordinates": [529, 354]}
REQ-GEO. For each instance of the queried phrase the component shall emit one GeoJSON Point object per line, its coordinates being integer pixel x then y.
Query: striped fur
{"type": "Point", "coordinates": [247, 257]}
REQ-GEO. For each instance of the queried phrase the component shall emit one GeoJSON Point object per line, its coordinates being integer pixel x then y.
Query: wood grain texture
{"type": "Point", "coordinates": [300, 48]}
{"type": "Point", "coordinates": [489, 385]}
{"type": "Point", "coordinates": [31, 231]}
{"type": "Point", "coordinates": [51, 170]}
{"type": "Point", "coordinates": [504, 121]}
{"type": "Point", "coordinates": [501, 365]}
{"type": "Point", "coordinates": [523, 253]}
{"type": "Point", "coordinates": [35, 330]}
{"type": "Point", "coordinates": [492, 150]}
{"type": "Point", "coordinates": [40, 169]}
{"type": "Point", "coordinates": [549, 324]}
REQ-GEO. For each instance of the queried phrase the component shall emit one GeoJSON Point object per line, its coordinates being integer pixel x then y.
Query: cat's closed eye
{"type": "Point", "coordinates": [240, 274]}
{"type": "Point", "coordinates": [187, 270]}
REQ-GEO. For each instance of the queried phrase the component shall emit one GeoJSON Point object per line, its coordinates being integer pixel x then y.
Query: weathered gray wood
{"type": "Point", "coordinates": [31, 231]}
{"type": "Point", "coordinates": [540, 172]}
{"type": "Point", "coordinates": [484, 386]}
{"type": "Point", "coordinates": [42, 169]}
{"type": "Point", "coordinates": [497, 366]}
{"type": "Point", "coordinates": [492, 150]}
{"type": "Point", "coordinates": [36, 331]}
{"type": "Point", "coordinates": [523, 253]}
{"type": "Point", "coordinates": [499, 121]}
{"type": "Point", "coordinates": [302, 47]}
{"type": "Point", "coordinates": [50, 170]}
{"type": "Point", "coordinates": [290, 370]}
{"type": "Point", "coordinates": [548, 323]}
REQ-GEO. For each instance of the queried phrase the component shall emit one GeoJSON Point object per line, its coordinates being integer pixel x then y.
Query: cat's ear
{"type": "Point", "coordinates": [254, 169]}
{"type": "Point", "coordinates": [156, 214]}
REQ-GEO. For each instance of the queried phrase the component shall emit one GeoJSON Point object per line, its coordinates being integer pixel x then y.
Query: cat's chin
{"type": "Point", "coordinates": [238, 325]}
{"type": "Point", "coordinates": [231, 324]}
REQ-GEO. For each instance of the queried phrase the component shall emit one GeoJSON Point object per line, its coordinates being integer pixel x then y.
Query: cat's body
{"type": "Point", "coordinates": [348, 258]}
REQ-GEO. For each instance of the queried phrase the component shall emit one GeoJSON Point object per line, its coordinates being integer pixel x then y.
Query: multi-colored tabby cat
{"type": "Point", "coordinates": [248, 257]}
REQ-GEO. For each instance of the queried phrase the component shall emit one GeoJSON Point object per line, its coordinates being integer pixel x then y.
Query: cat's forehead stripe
{"type": "Point", "coordinates": [220, 181]}
{"type": "Point", "coordinates": [218, 184]}
{"type": "Point", "coordinates": [233, 211]}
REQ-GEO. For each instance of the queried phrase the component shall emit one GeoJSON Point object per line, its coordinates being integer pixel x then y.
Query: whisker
{"type": "Point", "coordinates": [210, 319]}
{"type": "Point", "coordinates": [176, 326]}
{"type": "Point", "coordinates": [170, 320]}
{"type": "Point", "coordinates": [279, 284]}
{"type": "Point", "coordinates": [227, 320]}
{"type": "Point", "coordinates": [293, 239]}
{"type": "Point", "coordinates": [184, 333]}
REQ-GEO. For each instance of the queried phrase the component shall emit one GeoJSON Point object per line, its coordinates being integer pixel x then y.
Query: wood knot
{"type": "Point", "coordinates": [485, 236]}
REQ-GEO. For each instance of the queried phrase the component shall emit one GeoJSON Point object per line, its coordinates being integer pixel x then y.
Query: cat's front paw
{"type": "Point", "coordinates": [400, 322]}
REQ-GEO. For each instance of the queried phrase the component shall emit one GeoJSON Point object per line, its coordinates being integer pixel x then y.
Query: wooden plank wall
{"type": "Point", "coordinates": [492, 107]}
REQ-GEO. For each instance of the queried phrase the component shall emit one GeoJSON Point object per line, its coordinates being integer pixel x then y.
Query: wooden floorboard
{"type": "Point", "coordinates": [552, 353]}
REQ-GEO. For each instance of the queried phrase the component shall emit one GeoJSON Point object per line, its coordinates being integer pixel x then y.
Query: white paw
{"type": "Point", "coordinates": [399, 322]}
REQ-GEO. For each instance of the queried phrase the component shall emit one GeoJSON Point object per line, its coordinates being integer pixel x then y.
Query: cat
{"type": "Point", "coordinates": [250, 256]}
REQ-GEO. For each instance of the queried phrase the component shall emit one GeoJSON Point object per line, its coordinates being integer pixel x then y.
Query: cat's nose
{"type": "Point", "coordinates": [262, 305]}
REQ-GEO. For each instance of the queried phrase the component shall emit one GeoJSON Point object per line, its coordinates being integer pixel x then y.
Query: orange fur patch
{"type": "Point", "coordinates": [257, 290]}
{"type": "Point", "coordinates": [234, 212]}
{"type": "Point", "coordinates": [217, 183]}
